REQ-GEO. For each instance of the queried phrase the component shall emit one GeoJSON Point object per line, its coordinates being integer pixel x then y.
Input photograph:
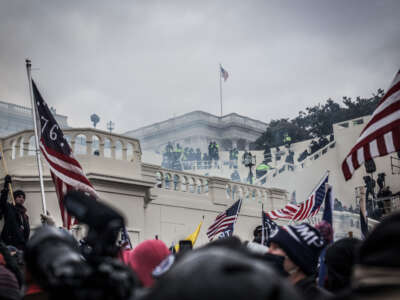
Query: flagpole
{"type": "Point", "coordinates": [3, 158]}
{"type": "Point", "coordinates": [262, 224]}
{"type": "Point", "coordinates": [35, 128]}
{"type": "Point", "coordinates": [220, 87]}
{"type": "Point", "coordinates": [237, 215]}
{"type": "Point", "coordinates": [312, 191]}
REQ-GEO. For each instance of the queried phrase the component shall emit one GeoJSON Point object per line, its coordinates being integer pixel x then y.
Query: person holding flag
{"type": "Point", "coordinates": [16, 228]}
{"type": "Point", "coordinates": [65, 170]}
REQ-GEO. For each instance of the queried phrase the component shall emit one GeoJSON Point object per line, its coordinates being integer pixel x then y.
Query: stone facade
{"type": "Point", "coordinates": [15, 118]}
{"type": "Point", "coordinates": [154, 201]}
{"type": "Point", "coordinates": [197, 129]}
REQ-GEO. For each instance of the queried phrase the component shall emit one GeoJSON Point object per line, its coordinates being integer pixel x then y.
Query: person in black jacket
{"type": "Point", "coordinates": [16, 222]}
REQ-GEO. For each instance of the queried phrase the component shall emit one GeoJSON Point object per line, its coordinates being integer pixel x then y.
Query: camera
{"type": "Point", "coordinates": [55, 262]}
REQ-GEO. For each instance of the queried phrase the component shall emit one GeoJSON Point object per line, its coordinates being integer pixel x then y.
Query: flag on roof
{"type": "Point", "coordinates": [65, 170]}
{"type": "Point", "coordinates": [306, 209]}
{"type": "Point", "coordinates": [381, 135]}
{"type": "Point", "coordinates": [224, 222]}
{"type": "Point", "coordinates": [224, 73]}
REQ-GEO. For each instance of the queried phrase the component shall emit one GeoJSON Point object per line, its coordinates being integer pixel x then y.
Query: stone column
{"type": "Point", "coordinates": [217, 190]}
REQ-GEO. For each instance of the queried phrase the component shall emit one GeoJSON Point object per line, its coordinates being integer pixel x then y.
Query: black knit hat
{"type": "Point", "coordinates": [381, 248]}
{"type": "Point", "coordinates": [302, 244]}
{"type": "Point", "coordinates": [19, 193]}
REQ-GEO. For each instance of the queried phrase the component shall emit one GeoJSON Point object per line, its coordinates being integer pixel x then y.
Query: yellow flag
{"type": "Point", "coordinates": [192, 237]}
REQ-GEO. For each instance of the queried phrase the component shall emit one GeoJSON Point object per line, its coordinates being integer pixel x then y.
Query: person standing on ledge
{"type": "Point", "coordinates": [16, 222]}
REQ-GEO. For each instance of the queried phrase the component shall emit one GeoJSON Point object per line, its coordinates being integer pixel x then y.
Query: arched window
{"type": "Point", "coordinates": [68, 139]}
{"type": "Point", "coordinates": [159, 180]}
{"type": "Point", "coordinates": [234, 192]}
{"type": "Point", "coordinates": [21, 147]}
{"type": "Point", "coordinates": [13, 149]}
{"type": "Point", "coordinates": [206, 186]}
{"type": "Point", "coordinates": [240, 193]}
{"type": "Point", "coordinates": [199, 186]}
{"type": "Point", "coordinates": [32, 146]}
{"type": "Point", "coordinates": [80, 144]}
{"type": "Point", "coordinates": [129, 152]}
{"type": "Point", "coordinates": [184, 184]}
{"type": "Point", "coordinates": [95, 145]}
{"type": "Point", "coordinates": [167, 181]}
{"type": "Point", "coordinates": [118, 150]}
{"type": "Point", "coordinates": [107, 148]}
{"type": "Point", "coordinates": [228, 191]}
{"type": "Point", "coordinates": [176, 182]}
{"type": "Point", "coordinates": [191, 185]}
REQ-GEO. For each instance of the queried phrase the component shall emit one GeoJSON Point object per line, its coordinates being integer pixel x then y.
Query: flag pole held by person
{"type": "Point", "coordinates": [35, 127]}
{"type": "Point", "coordinates": [3, 160]}
{"type": "Point", "coordinates": [65, 170]}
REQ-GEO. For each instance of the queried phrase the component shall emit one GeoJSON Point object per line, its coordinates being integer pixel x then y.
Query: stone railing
{"type": "Point", "coordinates": [316, 155]}
{"type": "Point", "coordinates": [83, 141]}
{"type": "Point", "coordinates": [284, 166]}
{"type": "Point", "coordinates": [351, 123]}
{"type": "Point", "coordinates": [219, 190]}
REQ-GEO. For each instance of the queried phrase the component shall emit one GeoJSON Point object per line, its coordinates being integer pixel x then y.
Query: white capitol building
{"type": "Point", "coordinates": [170, 203]}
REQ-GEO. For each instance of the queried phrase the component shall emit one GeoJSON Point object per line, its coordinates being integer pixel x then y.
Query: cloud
{"type": "Point", "coordinates": [139, 62]}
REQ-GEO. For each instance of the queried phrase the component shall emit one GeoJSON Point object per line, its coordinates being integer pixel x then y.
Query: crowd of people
{"type": "Point", "coordinates": [176, 158]}
{"type": "Point", "coordinates": [314, 146]}
{"type": "Point", "coordinates": [279, 263]}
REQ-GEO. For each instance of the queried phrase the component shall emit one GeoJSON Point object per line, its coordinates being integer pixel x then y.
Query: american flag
{"type": "Point", "coordinates": [304, 210]}
{"type": "Point", "coordinates": [223, 224]}
{"type": "Point", "coordinates": [381, 135]}
{"type": "Point", "coordinates": [65, 170]}
{"type": "Point", "coordinates": [224, 73]}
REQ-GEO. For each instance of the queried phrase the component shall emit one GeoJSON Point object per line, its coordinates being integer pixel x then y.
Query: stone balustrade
{"type": "Point", "coordinates": [219, 190]}
{"type": "Point", "coordinates": [83, 141]}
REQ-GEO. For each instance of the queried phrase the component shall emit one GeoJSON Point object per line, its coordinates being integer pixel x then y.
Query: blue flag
{"type": "Point", "coordinates": [328, 217]}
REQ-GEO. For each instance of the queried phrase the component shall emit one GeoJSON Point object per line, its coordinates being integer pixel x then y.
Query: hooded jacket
{"type": "Point", "coordinates": [16, 227]}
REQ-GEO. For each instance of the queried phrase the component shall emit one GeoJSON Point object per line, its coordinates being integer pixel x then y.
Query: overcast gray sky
{"type": "Point", "coordinates": [139, 62]}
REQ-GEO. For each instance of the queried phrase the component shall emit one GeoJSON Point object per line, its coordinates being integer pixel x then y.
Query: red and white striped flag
{"type": "Point", "coordinates": [65, 170]}
{"type": "Point", "coordinates": [224, 73]}
{"type": "Point", "coordinates": [224, 222]}
{"type": "Point", "coordinates": [381, 135]}
{"type": "Point", "coordinates": [306, 209]}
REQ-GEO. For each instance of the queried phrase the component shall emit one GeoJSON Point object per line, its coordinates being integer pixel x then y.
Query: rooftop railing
{"type": "Point", "coordinates": [83, 141]}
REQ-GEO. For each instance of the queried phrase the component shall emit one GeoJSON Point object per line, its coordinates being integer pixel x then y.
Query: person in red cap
{"type": "Point", "coordinates": [144, 258]}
